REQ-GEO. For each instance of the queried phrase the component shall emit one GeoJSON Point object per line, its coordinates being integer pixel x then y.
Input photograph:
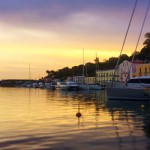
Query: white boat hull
{"type": "Point", "coordinates": [67, 86]}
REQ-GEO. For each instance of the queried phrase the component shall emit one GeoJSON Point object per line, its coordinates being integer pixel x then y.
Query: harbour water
{"type": "Point", "coordinates": [40, 119]}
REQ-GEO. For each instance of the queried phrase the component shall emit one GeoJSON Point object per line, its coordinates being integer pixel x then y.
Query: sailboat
{"type": "Point", "coordinates": [88, 86]}
{"type": "Point", "coordinates": [126, 92]}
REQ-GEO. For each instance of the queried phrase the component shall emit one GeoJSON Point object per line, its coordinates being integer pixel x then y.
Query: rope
{"type": "Point", "coordinates": [124, 41]}
{"type": "Point", "coordinates": [138, 40]}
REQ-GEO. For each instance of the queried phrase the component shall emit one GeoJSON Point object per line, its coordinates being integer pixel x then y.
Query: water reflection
{"type": "Point", "coordinates": [46, 119]}
{"type": "Point", "coordinates": [129, 119]}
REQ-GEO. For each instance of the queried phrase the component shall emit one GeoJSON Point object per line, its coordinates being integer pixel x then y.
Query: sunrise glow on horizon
{"type": "Point", "coordinates": [50, 35]}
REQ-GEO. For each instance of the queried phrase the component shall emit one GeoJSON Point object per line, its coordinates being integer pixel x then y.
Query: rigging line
{"type": "Point", "coordinates": [124, 41]}
{"type": "Point", "coordinates": [83, 62]}
{"type": "Point", "coordinates": [138, 40]}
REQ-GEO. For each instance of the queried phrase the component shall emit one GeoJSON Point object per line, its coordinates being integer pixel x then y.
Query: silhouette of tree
{"type": "Point", "coordinates": [90, 68]}
{"type": "Point", "coordinates": [146, 43]}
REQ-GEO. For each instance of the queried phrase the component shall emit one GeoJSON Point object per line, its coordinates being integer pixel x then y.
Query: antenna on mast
{"type": "Point", "coordinates": [83, 62]}
{"type": "Point", "coordinates": [29, 72]}
{"type": "Point", "coordinates": [97, 62]}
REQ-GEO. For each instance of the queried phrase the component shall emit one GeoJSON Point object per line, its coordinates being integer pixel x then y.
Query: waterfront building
{"type": "Point", "coordinates": [142, 70]}
{"type": "Point", "coordinates": [105, 75]}
{"type": "Point", "coordinates": [127, 70]}
{"type": "Point", "coordinates": [90, 80]}
{"type": "Point", "coordinates": [123, 71]}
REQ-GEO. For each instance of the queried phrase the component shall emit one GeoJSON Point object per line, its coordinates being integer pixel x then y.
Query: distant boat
{"type": "Point", "coordinates": [35, 85]}
{"type": "Point", "coordinates": [50, 85]}
{"type": "Point", "coordinates": [69, 85]}
{"type": "Point", "coordinates": [88, 86]}
{"type": "Point", "coordinates": [41, 85]}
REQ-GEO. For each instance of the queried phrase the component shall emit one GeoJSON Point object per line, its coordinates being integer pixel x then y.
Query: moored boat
{"type": "Point", "coordinates": [128, 94]}
{"type": "Point", "coordinates": [69, 85]}
{"type": "Point", "coordinates": [139, 82]}
{"type": "Point", "coordinates": [49, 85]}
{"type": "Point", "coordinates": [91, 87]}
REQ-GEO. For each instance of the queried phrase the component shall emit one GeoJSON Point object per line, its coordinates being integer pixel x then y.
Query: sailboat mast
{"type": "Point", "coordinates": [83, 63]}
{"type": "Point", "coordinates": [128, 76]}
{"type": "Point", "coordinates": [116, 67]}
{"type": "Point", "coordinates": [29, 72]}
{"type": "Point", "coordinates": [96, 62]}
{"type": "Point", "coordinates": [96, 66]}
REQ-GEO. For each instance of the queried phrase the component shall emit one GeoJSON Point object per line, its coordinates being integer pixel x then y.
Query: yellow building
{"type": "Point", "coordinates": [142, 70]}
{"type": "Point", "coordinates": [137, 69]}
{"type": "Point", "coordinates": [105, 75]}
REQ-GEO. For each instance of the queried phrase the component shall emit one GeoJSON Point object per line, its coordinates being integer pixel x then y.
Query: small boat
{"type": "Point", "coordinates": [35, 85]}
{"type": "Point", "coordinates": [69, 85]}
{"type": "Point", "coordinates": [50, 85]}
{"type": "Point", "coordinates": [41, 85]}
{"type": "Point", "coordinates": [89, 86]}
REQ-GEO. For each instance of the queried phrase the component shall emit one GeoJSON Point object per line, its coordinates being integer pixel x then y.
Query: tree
{"type": "Point", "coordinates": [147, 40]}
{"type": "Point", "coordinates": [124, 57]}
{"type": "Point", "coordinates": [89, 68]}
{"type": "Point", "coordinates": [51, 74]}
{"type": "Point", "coordinates": [145, 51]}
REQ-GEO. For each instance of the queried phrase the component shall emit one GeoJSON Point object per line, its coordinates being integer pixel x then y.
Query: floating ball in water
{"type": "Point", "coordinates": [78, 114]}
{"type": "Point", "coordinates": [142, 106]}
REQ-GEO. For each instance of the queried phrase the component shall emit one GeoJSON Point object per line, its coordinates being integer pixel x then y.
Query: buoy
{"type": "Point", "coordinates": [142, 106]}
{"type": "Point", "coordinates": [78, 114]}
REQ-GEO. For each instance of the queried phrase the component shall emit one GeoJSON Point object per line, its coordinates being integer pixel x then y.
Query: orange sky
{"type": "Point", "coordinates": [52, 35]}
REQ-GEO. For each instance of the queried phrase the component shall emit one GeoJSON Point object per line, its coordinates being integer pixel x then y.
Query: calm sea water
{"type": "Point", "coordinates": [39, 119]}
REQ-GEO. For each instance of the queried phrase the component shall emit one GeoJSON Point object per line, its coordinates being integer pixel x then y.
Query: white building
{"type": "Point", "coordinates": [126, 70]}
{"type": "Point", "coordinates": [123, 70]}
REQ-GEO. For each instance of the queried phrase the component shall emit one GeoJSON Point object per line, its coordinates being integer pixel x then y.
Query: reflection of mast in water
{"type": "Point", "coordinates": [120, 140]}
{"type": "Point", "coordinates": [29, 72]}
{"type": "Point", "coordinates": [130, 130]}
{"type": "Point", "coordinates": [29, 95]}
{"type": "Point", "coordinates": [116, 129]}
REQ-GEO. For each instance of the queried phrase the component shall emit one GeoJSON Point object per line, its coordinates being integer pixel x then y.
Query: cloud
{"type": "Point", "coordinates": [53, 32]}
